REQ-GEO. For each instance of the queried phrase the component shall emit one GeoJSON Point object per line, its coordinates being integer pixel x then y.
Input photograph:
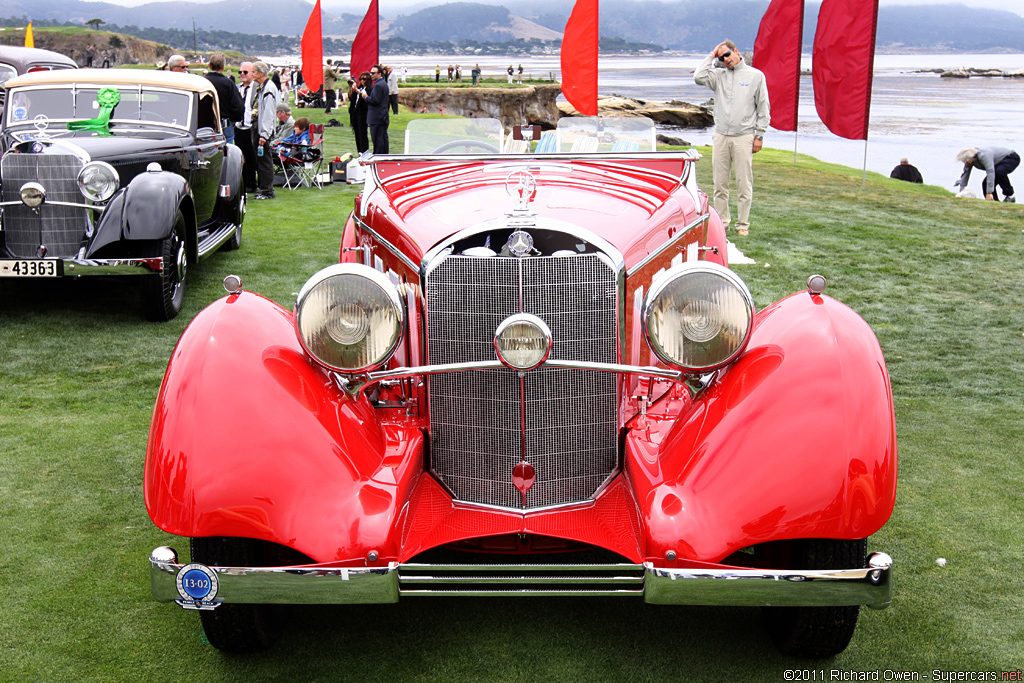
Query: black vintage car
{"type": "Point", "coordinates": [116, 172]}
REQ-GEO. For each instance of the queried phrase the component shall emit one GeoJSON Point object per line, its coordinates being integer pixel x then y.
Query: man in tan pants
{"type": "Point", "coordinates": [741, 116]}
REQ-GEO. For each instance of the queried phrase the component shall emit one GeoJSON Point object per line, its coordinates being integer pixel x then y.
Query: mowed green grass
{"type": "Point", "coordinates": [939, 279]}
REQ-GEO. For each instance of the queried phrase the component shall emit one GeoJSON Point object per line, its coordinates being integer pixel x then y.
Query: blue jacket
{"type": "Point", "coordinates": [377, 103]}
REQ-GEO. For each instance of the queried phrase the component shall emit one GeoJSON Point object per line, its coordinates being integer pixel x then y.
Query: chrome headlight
{"type": "Point", "coordinates": [98, 181]}
{"type": "Point", "coordinates": [32, 194]}
{"type": "Point", "coordinates": [522, 341]}
{"type": "Point", "coordinates": [349, 317]}
{"type": "Point", "coordinates": [698, 317]}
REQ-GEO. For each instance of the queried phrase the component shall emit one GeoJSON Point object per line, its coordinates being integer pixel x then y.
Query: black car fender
{"type": "Point", "coordinates": [145, 210]}
{"type": "Point", "coordinates": [230, 176]}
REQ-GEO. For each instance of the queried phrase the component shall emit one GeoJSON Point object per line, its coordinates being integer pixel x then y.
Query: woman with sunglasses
{"type": "Point", "coordinates": [357, 110]}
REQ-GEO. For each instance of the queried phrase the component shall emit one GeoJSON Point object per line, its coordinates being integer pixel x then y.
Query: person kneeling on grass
{"type": "Point", "coordinates": [997, 162]}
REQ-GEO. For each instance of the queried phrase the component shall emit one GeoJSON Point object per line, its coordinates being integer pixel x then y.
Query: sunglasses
{"type": "Point", "coordinates": [726, 54]}
{"type": "Point", "coordinates": [243, 72]}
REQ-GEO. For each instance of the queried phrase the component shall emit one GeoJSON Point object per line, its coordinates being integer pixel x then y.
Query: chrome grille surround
{"type": "Point", "coordinates": [484, 422]}
{"type": "Point", "coordinates": [60, 229]}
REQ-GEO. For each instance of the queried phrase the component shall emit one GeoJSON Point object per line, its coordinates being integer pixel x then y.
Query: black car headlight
{"type": "Point", "coordinates": [698, 317]}
{"type": "Point", "coordinates": [349, 318]}
{"type": "Point", "coordinates": [98, 181]}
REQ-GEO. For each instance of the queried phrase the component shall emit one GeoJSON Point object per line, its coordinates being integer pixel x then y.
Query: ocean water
{"type": "Point", "coordinates": [916, 115]}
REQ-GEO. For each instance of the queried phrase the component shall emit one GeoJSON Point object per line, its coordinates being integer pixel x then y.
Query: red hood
{"type": "Point", "coordinates": [620, 201]}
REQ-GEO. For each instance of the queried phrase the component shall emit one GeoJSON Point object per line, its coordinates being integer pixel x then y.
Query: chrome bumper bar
{"type": "Point", "coordinates": [324, 584]}
{"type": "Point", "coordinates": [74, 267]}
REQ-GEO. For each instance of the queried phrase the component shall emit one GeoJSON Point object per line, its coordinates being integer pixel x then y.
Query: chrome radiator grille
{"type": "Point", "coordinates": [480, 425]}
{"type": "Point", "coordinates": [59, 228]}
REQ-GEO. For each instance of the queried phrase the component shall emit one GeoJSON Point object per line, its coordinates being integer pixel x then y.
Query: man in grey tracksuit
{"type": "Point", "coordinates": [997, 162]}
{"type": "Point", "coordinates": [741, 116]}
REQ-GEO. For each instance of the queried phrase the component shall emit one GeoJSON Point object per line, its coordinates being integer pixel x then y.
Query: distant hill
{"type": "Point", "coordinates": [692, 25]}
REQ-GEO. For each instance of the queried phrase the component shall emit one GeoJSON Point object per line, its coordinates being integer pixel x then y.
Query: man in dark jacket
{"type": "Point", "coordinates": [377, 101]}
{"type": "Point", "coordinates": [231, 105]}
{"type": "Point", "coordinates": [906, 171]}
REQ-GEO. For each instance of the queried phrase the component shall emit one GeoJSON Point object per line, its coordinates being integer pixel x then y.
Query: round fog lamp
{"type": "Point", "coordinates": [32, 194]}
{"type": "Point", "coordinates": [98, 181]}
{"type": "Point", "coordinates": [522, 341]}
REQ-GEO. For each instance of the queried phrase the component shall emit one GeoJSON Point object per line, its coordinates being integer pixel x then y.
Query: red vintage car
{"type": "Point", "coordinates": [532, 373]}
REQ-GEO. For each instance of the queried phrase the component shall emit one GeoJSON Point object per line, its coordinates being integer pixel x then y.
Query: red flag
{"type": "Point", "coordinates": [313, 51]}
{"type": "Point", "coordinates": [844, 58]}
{"type": "Point", "coordinates": [366, 45]}
{"type": "Point", "coordinates": [777, 54]}
{"type": "Point", "coordinates": [579, 57]}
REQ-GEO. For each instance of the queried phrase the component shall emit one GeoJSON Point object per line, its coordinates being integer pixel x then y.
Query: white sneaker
{"type": "Point", "coordinates": [1012, 199]}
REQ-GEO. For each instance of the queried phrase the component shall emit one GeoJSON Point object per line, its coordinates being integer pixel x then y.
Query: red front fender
{"type": "Point", "coordinates": [251, 439]}
{"type": "Point", "coordinates": [796, 440]}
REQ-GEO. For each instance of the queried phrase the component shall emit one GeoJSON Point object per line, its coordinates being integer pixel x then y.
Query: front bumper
{"type": "Point", "coordinates": [75, 267]}
{"type": "Point", "coordinates": [325, 584]}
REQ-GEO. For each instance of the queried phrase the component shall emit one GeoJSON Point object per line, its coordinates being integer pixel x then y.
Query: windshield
{"type": "Point", "coordinates": [7, 72]}
{"type": "Point", "coordinates": [80, 103]}
{"type": "Point", "coordinates": [574, 135]}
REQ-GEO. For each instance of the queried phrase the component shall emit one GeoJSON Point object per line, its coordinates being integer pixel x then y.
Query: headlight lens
{"type": "Point", "coordinates": [98, 181]}
{"type": "Point", "coordinates": [349, 317]}
{"type": "Point", "coordinates": [32, 194]}
{"type": "Point", "coordinates": [698, 317]}
{"type": "Point", "coordinates": [522, 341]}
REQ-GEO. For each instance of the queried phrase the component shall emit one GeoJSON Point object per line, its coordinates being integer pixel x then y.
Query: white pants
{"type": "Point", "coordinates": [733, 153]}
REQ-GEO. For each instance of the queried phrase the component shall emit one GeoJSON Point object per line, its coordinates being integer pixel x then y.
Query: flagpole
{"type": "Point", "coordinates": [864, 180]}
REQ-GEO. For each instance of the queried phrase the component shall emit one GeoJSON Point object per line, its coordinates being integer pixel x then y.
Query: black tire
{"type": "Point", "coordinates": [163, 294]}
{"type": "Point", "coordinates": [237, 627]}
{"type": "Point", "coordinates": [238, 217]}
{"type": "Point", "coordinates": [816, 632]}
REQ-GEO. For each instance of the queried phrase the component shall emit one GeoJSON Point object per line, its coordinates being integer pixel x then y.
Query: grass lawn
{"type": "Point", "coordinates": [938, 278]}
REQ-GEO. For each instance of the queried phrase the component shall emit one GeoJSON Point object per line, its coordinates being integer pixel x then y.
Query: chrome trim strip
{"type": "Point", "coordinates": [602, 156]}
{"type": "Point", "coordinates": [786, 588]}
{"type": "Point", "coordinates": [667, 245]}
{"type": "Point", "coordinates": [355, 385]}
{"type": "Point", "coordinates": [387, 245]}
{"type": "Point", "coordinates": [307, 584]}
{"type": "Point", "coordinates": [107, 266]}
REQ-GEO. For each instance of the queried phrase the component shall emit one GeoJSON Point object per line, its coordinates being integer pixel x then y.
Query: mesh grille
{"type": "Point", "coordinates": [59, 228]}
{"type": "Point", "coordinates": [477, 434]}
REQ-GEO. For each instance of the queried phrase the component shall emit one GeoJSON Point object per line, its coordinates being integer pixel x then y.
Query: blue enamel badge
{"type": "Point", "coordinates": [197, 586]}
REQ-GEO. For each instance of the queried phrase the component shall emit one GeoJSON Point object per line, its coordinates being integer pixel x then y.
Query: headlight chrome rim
{"type": "Point", "coordinates": [528, 320]}
{"type": "Point", "coordinates": [105, 189]}
{"type": "Point", "coordinates": [336, 330]}
{"type": "Point", "coordinates": [659, 287]}
{"type": "Point", "coordinates": [32, 195]}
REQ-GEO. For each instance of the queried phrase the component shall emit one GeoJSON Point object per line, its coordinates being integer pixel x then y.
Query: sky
{"type": "Point", "coordinates": [389, 7]}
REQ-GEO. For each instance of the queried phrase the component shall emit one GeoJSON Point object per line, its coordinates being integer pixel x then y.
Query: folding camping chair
{"type": "Point", "coordinates": [302, 167]}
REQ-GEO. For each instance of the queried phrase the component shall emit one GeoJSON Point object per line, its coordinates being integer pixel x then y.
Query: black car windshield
{"type": "Point", "coordinates": [74, 104]}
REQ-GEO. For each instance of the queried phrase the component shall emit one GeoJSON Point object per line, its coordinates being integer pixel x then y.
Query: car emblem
{"type": "Point", "coordinates": [520, 243]}
{"type": "Point", "coordinates": [197, 585]}
{"type": "Point", "coordinates": [521, 185]}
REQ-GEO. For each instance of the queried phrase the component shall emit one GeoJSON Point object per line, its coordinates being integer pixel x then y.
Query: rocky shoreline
{"type": "Point", "coordinates": [537, 105]}
{"type": "Point", "coordinates": [980, 73]}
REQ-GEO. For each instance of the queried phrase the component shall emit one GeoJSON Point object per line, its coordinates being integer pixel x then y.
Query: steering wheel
{"type": "Point", "coordinates": [485, 146]}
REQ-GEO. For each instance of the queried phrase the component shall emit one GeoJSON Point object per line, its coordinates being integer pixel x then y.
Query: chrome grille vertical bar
{"type": "Point", "coordinates": [59, 228]}
{"type": "Point", "coordinates": [564, 422]}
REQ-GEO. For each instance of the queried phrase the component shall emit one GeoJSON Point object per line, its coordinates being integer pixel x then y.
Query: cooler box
{"type": "Point", "coordinates": [354, 172]}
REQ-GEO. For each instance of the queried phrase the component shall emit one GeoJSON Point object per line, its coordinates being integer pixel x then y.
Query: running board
{"type": "Point", "coordinates": [521, 580]}
{"type": "Point", "coordinates": [216, 239]}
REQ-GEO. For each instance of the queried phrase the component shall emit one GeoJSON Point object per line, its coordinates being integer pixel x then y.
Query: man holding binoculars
{"type": "Point", "coordinates": [741, 117]}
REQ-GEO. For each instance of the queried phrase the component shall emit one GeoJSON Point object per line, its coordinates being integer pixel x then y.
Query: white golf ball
{"type": "Point", "coordinates": [941, 562]}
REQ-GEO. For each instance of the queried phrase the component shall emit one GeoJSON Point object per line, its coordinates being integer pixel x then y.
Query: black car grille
{"type": "Point", "coordinates": [58, 228]}
{"type": "Point", "coordinates": [477, 418]}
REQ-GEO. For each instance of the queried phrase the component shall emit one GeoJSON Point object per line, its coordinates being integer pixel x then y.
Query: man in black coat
{"type": "Point", "coordinates": [231, 105]}
{"type": "Point", "coordinates": [906, 171]}
{"type": "Point", "coordinates": [377, 101]}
